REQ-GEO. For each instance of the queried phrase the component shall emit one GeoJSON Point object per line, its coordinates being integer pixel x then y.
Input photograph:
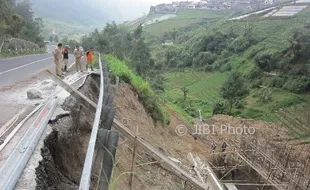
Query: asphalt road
{"type": "Point", "coordinates": [13, 70]}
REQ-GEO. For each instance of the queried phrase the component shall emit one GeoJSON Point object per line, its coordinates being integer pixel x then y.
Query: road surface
{"type": "Point", "coordinates": [13, 70]}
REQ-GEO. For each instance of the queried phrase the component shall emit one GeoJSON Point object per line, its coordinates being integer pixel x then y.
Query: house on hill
{"type": "Point", "coordinates": [164, 9]}
{"type": "Point", "coordinates": [241, 4]}
{"type": "Point", "coordinates": [192, 5]}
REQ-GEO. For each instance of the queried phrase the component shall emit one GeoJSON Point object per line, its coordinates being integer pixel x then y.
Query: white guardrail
{"type": "Point", "coordinates": [86, 174]}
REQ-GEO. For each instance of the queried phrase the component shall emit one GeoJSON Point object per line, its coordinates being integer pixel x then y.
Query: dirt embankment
{"type": "Point", "coordinates": [66, 146]}
{"type": "Point", "coordinates": [149, 175]}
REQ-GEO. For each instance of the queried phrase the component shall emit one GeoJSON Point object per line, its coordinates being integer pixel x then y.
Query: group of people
{"type": "Point", "coordinates": [213, 146]}
{"type": "Point", "coordinates": [61, 58]}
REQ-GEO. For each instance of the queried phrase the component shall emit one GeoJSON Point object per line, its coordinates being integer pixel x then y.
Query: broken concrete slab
{"type": "Point", "coordinates": [34, 94]}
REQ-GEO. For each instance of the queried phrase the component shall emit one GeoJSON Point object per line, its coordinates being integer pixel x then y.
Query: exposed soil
{"type": "Point", "coordinates": [133, 115]}
{"type": "Point", "coordinates": [65, 148]}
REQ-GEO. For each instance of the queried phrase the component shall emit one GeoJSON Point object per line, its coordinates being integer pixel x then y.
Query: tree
{"type": "Point", "coordinates": [16, 25]}
{"type": "Point", "coordinates": [185, 91]}
{"type": "Point", "coordinates": [174, 34]}
{"type": "Point", "coordinates": [24, 9]}
{"type": "Point", "coordinates": [138, 32]}
{"type": "Point", "coordinates": [141, 57]}
{"type": "Point", "coordinates": [234, 88]}
{"type": "Point", "coordinates": [18, 20]}
{"type": "Point", "coordinates": [266, 95]}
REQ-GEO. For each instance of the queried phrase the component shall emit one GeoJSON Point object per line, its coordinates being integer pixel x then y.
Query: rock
{"type": "Point", "coordinates": [34, 94]}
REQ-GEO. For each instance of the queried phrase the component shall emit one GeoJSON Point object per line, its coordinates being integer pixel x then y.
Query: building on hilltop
{"type": "Point", "coordinates": [164, 9]}
{"type": "Point", "coordinates": [213, 4]}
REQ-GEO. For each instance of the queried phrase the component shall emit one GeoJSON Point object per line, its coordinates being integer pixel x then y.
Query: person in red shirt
{"type": "Point", "coordinates": [90, 57]}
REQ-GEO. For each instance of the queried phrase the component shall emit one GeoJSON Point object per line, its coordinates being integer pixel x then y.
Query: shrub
{"type": "Point", "coordinates": [218, 63]}
{"type": "Point", "coordinates": [226, 53]}
{"type": "Point", "coordinates": [192, 112]}
{"type": "Point", "coordinates": [278, 82]}
{"type": "Point", "coordinates": [239, 45]}
{"type": "Point", "coordinates": [208, 68]}
{"type": "Point", "coordinates": [264, 61]}
{"type": "Point", "coordinates": [240, 104]}
{"type": "Point", "coordinates": [297, 85]}
{"type": "Point", "coordinates": [256, 83]}
{"type": "Point", "coordinates": [253, 52]}
{"type": "Point", "coordinates": [265, 96]}
{"type": "Point", "coordinates": [146, 94]}
{"type": "Point", "coordinates": [225, 67]}
{"type": "Point", "coordinates": [204, 58]}
{"type": "Point", "coordinates": [254, 73]}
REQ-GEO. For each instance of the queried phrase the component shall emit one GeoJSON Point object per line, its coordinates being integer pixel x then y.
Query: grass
{"type": "Point", "coordinates": [186, 17]}
{"type": "Point", "coordinates": [203, 89]}
{"type": "Point", "coordinates": [150, 100]}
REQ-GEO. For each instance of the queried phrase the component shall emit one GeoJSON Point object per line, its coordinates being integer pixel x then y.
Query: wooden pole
{"type": "Point", "coordinates": [132, 163]}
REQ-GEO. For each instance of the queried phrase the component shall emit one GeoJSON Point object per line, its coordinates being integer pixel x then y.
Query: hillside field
{"type": "Point", "coordinates": [273, 34]}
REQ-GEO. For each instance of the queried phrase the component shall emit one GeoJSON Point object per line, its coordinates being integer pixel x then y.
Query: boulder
{"type": "Point", "coordinates": [34, 94]}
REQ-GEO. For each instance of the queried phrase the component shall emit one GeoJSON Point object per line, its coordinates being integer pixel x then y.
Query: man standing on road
{"type": "Point", "coordinates": [90, 54]}
{"type": "Point", "coordinates": [78, 56]}
{"type": "Point", "coordinates": [57, 59]}
{"type": "Point", "coordinates": [65, 59]}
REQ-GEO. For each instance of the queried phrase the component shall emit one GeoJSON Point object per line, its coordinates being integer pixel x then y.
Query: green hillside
{"type": "Point", "coordinates": [272, 36]}
{"type": "Point", "coordinates": [258, 67]}
{"type": "Point", "coordinates": [72, 19]}
{"type": "Point", "coordinates": [17, 20]}
{"type": "Point", "coordinates": [186, 18]}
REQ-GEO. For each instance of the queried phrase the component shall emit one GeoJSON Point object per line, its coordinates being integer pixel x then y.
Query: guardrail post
{"type": "Point", "coordinates": [108, 159]}
{"type": "Point", "coordinates": [108, 114]}
{"type": "Point", "coordinates": [109, 88]}
{"type": "Point", "coordinates": [107, 80]}
{"type": "Point", "coordinates": [108, 99]}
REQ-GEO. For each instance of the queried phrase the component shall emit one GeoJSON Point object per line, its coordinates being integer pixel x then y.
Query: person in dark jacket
{"type": "Point", "coordinates": [65, 60]}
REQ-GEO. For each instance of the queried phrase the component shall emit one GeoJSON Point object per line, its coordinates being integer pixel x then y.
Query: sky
{"type": "Point", "coordinates": [129, 9]}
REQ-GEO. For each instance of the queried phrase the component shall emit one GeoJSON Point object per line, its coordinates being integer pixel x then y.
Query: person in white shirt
{"type": "Point", "coordinates": [57, 59]}
{"type": "Point", "coordinates": [78, 56]}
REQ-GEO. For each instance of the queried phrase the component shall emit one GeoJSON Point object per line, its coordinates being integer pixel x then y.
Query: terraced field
{"type": "Point", "coordinates": [203, 88]}
{"type": "Point", "coordinates": [296, 119]}
{"type": "Point", "coordinates": [184, 18]}
{"type": "Point", "coordinates": [289, 109]}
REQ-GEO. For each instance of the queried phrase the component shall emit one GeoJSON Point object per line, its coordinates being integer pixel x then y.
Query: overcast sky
{"type": "Point", "coordinates": [129, 9]}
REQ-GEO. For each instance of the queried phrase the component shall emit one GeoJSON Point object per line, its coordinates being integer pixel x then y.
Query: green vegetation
{"type": "Point", "coordinates": [256, 68]}
{"type": "Point", "coordinates": [203, 91]}
{"type": "Point", "coordinates": [146, 95]}
{"type": "Point", "coordinates": [184, 18]}
{"type": "Point", "coordinates": [271, 54]}
{"type": "Point", "coordinates": [234, 90]}
{"type": "Point", "coordinates": [17, 20]}
{"type": "Point", "coordinates": [74, 31]}
{"type": "Point", "coordinates": [69, 18]}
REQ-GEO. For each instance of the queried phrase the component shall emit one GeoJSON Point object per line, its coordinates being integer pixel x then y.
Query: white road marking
{"type": "Point", "coordinates": [24, 66]}
{"type": "Point", "coordinates": [71, 65]}
{"type": "Point", "coordinates": [6, 59]}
